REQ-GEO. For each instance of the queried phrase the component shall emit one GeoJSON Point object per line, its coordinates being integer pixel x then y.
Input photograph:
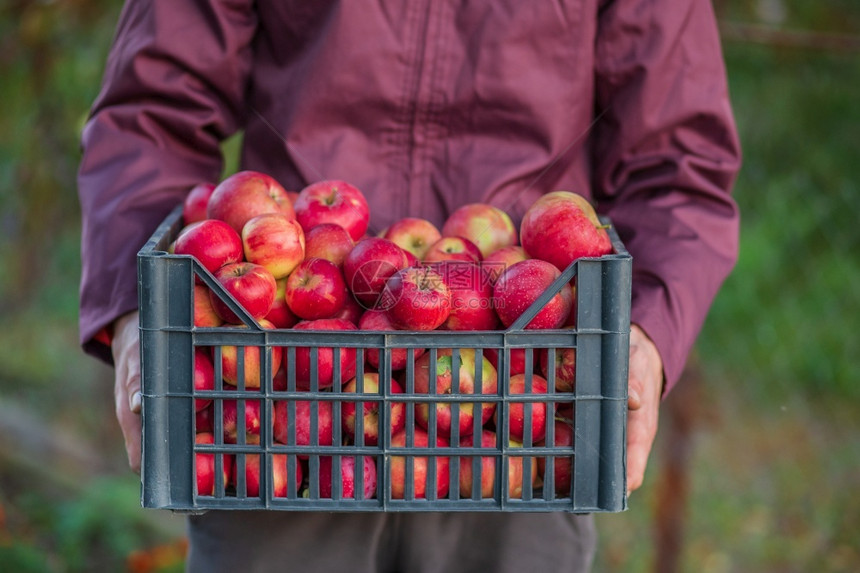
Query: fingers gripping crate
{"type": "Point", "coordinates": [419, 446]}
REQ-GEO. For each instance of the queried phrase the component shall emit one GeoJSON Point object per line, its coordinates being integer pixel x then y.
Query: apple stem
{"type": "Point", "coordinates": [604, 226]}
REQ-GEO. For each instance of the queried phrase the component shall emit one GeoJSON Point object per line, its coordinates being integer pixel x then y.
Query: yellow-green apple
{"type": "Point", "coordinates": [420, 466]}
{"type": "Point", "coordinates": [347, 477]}
{"type": "Point", "coordinates": [370, 409]}
{"type": "Point", "coordinates": [369, 265]}
{"type": "Point", "coordinates": [316, 289]}
{"type": "Point", "coordinates": [274, 241]}
{"type": "Point", "coordinates": [194, 205]}
{"type": "Point", "coordinates": [253, 287]}
{"type": "Point", "coordinates": [516, 410]}
{"type": "Point", "coordinates": [280, 314]}
{"type": "Point", "coordinates": [328, 241]}
{"type": "Point", "coordinates": [205, 466]}
{"type": "Point", "coordinates": [564, 363]}
{"type": "Point", "coordinates": [204, 315]}
{"type": "Point", "coordinates": [279, 478]}
{"type": "Point", "coordinates": [416, 298]}
{"type": "Point", "coordinates": [204, 375]}
{"type": "Point", "coordinates": [515, 465]}
{"type": "Point", "coordinates": [563, 465]}
{"type": "Point", "coordinates": [471, 296]}
{"type": "Point", "coordinates": [230, 417]}
{"type": "Point", "coordinates": [496, 262]}
{"type": "Point", "coordinates": [245, 195]}
{"type": "Point", "coordinates": [413, 234]}
{"type": "Point", "coordinates": [213, 243]}
{"type": "Point", "coordinates": [378, 320]}
{"type": "Point", "coordinates": [325, 356]}
{"type": "Point", "coordinates": [453, 249]}
{"type": "Point", "coordinates": [306, 414]}
{"type": "Point", "coordinates": [561, 227]}
{"type": "Point", "coordinates": [521, 285]}
{"type": "Point", "coordinates": [333, 202]}
{"type": "Point", "coordinates": [465, 385]}
{"type": "Point", "coordinates": [251, 363]}
{"type": "Point", "coordinates": [486, 226]}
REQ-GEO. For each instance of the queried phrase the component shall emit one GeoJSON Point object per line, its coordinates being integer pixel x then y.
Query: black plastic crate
{"type": "Point", "coordinates": [598, 403]}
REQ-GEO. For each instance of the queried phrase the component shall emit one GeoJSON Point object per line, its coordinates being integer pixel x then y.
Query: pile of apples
{"type": "Point", "coordinates": [303, 260]}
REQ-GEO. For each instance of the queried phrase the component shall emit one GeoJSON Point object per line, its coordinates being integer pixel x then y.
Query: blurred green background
{"type": "Point", "coordinates": [758, 457]}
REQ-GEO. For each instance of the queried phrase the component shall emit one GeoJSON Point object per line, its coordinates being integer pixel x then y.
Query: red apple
{"type": "Point", "coordinates": [274, 241]}
{"type": "Point", "coordinates": [370, 409]}
{"type": "Point", "coordinates": [486, 226]}
{"type": "Point", "coordinates": [279, 381]}
{"type": "Point", "coordinates": [279, 479]}
{"type": "Point", "coordinates": [347, 477]}
{"type": "Point", "coordinates": [253, 287]}
{"type": "Point", "coordinates": [213, 243]}
{"type": "Point", "coordinates": [413, 235]}
{"type": "Point", "coordinates": [471, 296]}
{"type": "Point", "coordinates": [416, 298]}
{"type": "Point", "coordinates": [325, 356]}
{"type": "Point", "coordinates": [369, 265]}
{"type": "Point", "coordinates": [378, 320]}
{"type": "Point", "coordinates": [561, 227]}
{"type": "Point", "coordinates": [328, 241]}
{"type": "Point", "coordinates": [488, 468]}
{"type": "Point", "coordinates": [245, 195]}
{"type": "Point", "coordinates": [444, 384]}
{"type": "Point", "coordinates": [280, 314]}
{"type": "Point", "coordinates": [571, 317]}
{"type": "Point", "coordinates": [351, 310]}
{"type": "Point", "coordinates": [205, 466]}
{"type": "Point", "coordinates": [204, 375]}
{"type": "Point", "coordinates": [293, 197]}
{"type": "Point", "coordinates": [333, 202]}
{"type": "Point", "coordinates": [204, 314]}
{"type": "Point", "coordinates": [204, 419]}
{"type": "Point", "coordinates": [316, 289]}
{"type": "Point", "coordinates": [565, 368]}
{"type": "Point", "coordinates": [194, 205]}
{"type": "Point", "coordinates": [516, 360]}
{"type": "Point", "coordinates": [411, 260]}
{"type": "Point", "coordinates": [252, 364]}
{"type": "Point", "coordinates": [563, 465]}
{"type": "Point", "coordinates": [498, 261]}
{"type": "Point", "coordinates": [516, 411]}
{"type": "Point", "coordinates": [306, 413]}
{"type": "Point", "coordinates": [230, 417]}
{"type": "Point", "coordinates": [420, 465]}
{"type": "Point", "coordinates": [453, 249]}
{"type": "Point", "coordinates": [522, 284]}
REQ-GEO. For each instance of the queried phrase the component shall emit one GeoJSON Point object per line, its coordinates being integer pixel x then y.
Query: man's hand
{"type": "Point", "coordinates": [643, 403]}
{"type": "Point", "coordinates": [126, 357]}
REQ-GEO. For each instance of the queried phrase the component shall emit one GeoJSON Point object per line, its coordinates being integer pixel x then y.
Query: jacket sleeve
{"type": "Point", "coordinates": [666, 153]}
{"type": "Point", "coordinates": [173, 89]}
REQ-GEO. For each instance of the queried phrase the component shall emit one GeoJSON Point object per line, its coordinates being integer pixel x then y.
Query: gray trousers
{"type": "Point", "coordinates": [388, 543]}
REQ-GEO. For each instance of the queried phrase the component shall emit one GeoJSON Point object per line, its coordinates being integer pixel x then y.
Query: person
{"type": "Point", "coordinates": [424, 106]}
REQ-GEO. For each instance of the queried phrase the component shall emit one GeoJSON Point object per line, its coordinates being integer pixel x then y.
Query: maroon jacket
{"type": "Point", "coordinates": [425, 106]}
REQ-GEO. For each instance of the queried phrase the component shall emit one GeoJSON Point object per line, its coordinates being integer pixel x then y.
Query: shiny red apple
{"type": "Point", "coordinates": [333, 202]}
{"type": "Point", "coordinates": [245, 195]}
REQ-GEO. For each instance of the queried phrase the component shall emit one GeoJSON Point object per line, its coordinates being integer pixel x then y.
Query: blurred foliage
{"type": "Point", "coordinates": [773, 469]}
{"type": "Point", "coordinates": [783, 317]}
